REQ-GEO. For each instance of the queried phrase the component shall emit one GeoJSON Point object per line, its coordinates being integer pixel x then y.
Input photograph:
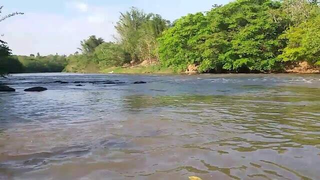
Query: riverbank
{"type": "Point", "coordinates": [298, 68]}
{"type": "Point", "coordinates": [156, 68]}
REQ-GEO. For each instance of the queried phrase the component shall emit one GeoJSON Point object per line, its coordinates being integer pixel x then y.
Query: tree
{"type": "Point", "coordinates": [50, 63]}
{"type": "Point", "coordinates": [138, 33]}
{"type": "Point", "coordinates": [9, 15]}
{"type": "Point", "coordinates": [303, 42]}
{"type": "Point", "coordinates": [111, 54]}
{"type": "Point", "coordinates": [298, 11]}
{"type": "Point", "coordinates": [88, 46]}
{"type": "Point", "coordinates": [129, 29]}
{"type": "Point", "coordinates": [179, 45]}
{"type": "Point", "coordinates": [249, 36]}
{"type": "Point", "coordinates": [241, 36]}
{"type": "Point", "coordinates": [151, 30]}
{"type": "Point", "coordinates": [4, 49]}
{"type": "Point", "coordinates": [4, 53]}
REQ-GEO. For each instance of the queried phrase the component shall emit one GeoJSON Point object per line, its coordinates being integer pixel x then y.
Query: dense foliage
{"type": "Point", "coordinates": [139, 32]}
{"type": "Point", "coordinates": [32, 64]}
{"type": "Point", "coordinates": [303, 42]}
{"type": "Point", "coordinates": [101, 55]}
{"type": "Point", "coordinates": [50, 63]}
{"type": "Point", "coordinates": [88, 46]}
{"type": "Point", "coordinates": [243, 36]}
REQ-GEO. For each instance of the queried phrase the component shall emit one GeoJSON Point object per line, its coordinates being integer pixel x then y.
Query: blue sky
{"type": "Point", "coordinates": [58, 26]}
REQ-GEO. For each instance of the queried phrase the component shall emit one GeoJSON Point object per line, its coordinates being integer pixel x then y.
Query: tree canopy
{"type": "Point", "coordinates": [138, 33]}
{"type": "Point", "coordinates": [89, 45]}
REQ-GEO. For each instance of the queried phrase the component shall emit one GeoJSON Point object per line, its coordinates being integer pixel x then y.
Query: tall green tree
{"type": "Point", "coordinates": [129, 30]}
{"type": "Point", "coordinates": [138, 32]}
{"type": "Point", "coordinates": [179, 46]}
{"type": "Point", "coordinates": [241, 36]}
{"type": "Point", "coordinates": [151, 30]}
{"type": "Point", "coordinates": [111, 54]}
{"type": "Point", "coordinates": [251, 35]}
{"type": "Point", "coordinates": [89, 45]}
{"type": "Point", "coordinates": [303, 42]}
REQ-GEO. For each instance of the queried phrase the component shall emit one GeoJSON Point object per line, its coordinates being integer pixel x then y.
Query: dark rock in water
{"type": "Point", "coordinates": [110, 82]}
{"type": "Point", "coordinates": [99, 82]}
{"type": "Point", "coordinates": [4, 88]}
{"type": "Point", "coordinates": [61, 82]}
{"type": "Point", "coordinates": [36, 89]}
{"type": "Point", "coordinates": [79, 85]}
{"type": "Point", "coordinates": [140, 82]}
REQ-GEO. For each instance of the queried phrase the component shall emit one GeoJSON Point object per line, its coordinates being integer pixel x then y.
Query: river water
{"type": "Point", "coordinates": [172, 127]}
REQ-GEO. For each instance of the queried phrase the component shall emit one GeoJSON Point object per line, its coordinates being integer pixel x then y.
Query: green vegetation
{"type": "Point", "coordinates": [303, 42]}
{"type": "Point", "coordinates": [138, 33]}
{"type": "Point", "coordinates": [50, 63]}
{"type": "Point", "coordinates": [31, 64]}
{"type": "Point", "coordinates": [242, 36]}
{"type": "Point", "coordinates": [97, 55]}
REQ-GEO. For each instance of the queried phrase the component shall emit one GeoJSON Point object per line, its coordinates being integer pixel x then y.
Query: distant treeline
{"type": "Point", "coordinates": [241, 36]}
{"type": "Point", "coordinates": [31, 64]}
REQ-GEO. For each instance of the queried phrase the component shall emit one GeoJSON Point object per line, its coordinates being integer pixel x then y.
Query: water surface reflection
{"type": "Point", "coordinates": [233, 127]}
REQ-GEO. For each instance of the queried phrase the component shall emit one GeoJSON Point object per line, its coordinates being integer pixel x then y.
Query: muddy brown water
{"type": "Point", "coordinates": [173, 127]}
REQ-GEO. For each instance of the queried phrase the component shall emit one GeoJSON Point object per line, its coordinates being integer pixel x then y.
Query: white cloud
{"type": "Point", "coordinates": [80, 6]}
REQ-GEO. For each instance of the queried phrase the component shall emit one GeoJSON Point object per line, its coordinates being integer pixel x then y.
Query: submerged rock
{"type": "Point", "coordinates": [36, 89]}
{"type": "Point", "coordinates": [140, 82]}
{"type": "Point", "coordinates": [109, 82]}
{"type": "Point", "coordinates": [99, 82]}
{"type": "Point", "coordinates": [61, 82]}
{"type": "Point", "coordinates": [4, 88]}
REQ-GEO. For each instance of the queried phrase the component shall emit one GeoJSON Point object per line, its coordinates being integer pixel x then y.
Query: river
{"type": "Point", "coordinates": [172, 127]}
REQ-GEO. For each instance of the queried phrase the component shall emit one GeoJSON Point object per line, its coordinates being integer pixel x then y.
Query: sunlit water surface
{"type": "Point", "coordinates": [173, 127]}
